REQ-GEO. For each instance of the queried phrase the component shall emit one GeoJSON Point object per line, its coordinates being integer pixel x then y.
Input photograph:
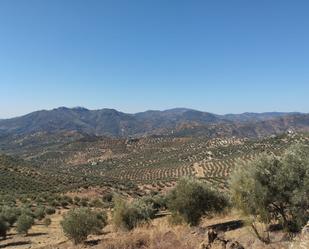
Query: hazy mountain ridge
{"type": "Point", "coordinates": [110, 122]}
{"type": "Point", "coordinates": [248, 116]}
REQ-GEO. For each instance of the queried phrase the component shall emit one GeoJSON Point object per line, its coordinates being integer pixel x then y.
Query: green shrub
{"type": "Point", "coordinates": [50, 210]}
{"type": "Point", "coordinates": [24, 199]}
{"type": "Point", "coordinates": [84, 202]}
{"type": "Point", "coordinates": [158, 202]}
{"type": "Point", "coordinates": [102, 216]}
{"type": "Point", "coordinates": [9, 214]}
{"type": "Point", "coordinates": [77, 224]}
{"type": "Point", "coordinates": [27, 211]}
{"type": "Point", "coordinates": [68, 199]}
{"type": "Point", "coordinates": [9, 200]}
{"type": "Point", "coordinates": [96, 203]}
{"type": "Point", "coordinates": [76, 199]}
{"type": "Point", "coordinates": [40, 199]}
{"type": "Point", "coordinates": [86, 199]}
{"type": "Point", "coordinates": [128, 215]}
{"type": "Point", "coordinates": [4, 227]}
{"type": "Point", "coordinates": [64, 203]}
{"type": "Point", "coordinates": [39, 213]}
{"type": "Point", "coordinates": [191, 199]}
{"type": "Point", "coordinates": [176, 219]}
{"type": "Point", "coordinates": [54, 203]}
{"type": "Point", "coordinates": [47, 222]}
{"type": "Point", "coordinates": [24, 223]}
{"type": "Point", "coordinates": [108, 197]}
{"type": "Point", "coordinates": [274, 188]}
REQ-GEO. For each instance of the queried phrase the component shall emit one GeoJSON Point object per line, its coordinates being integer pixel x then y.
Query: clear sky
{"type": "Point", "coordinates": [219, 56]}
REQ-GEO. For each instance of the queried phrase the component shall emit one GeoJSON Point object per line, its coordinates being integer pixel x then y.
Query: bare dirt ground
{"type": "Point", "coordinates": [233, 228]}
{"type": "Point", "coordinates": [198, 170]}
{"type": "Point", "coordinates": [38, 236]}
{"type": "Point", "coordinates": [156, 235]}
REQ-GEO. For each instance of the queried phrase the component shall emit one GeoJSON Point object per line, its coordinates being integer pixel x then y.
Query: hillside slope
{"type": "Point", "coordinates": [110, 122]}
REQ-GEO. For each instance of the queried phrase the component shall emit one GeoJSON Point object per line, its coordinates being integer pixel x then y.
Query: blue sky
{"type": "Point", "coordinates": [134, 55]}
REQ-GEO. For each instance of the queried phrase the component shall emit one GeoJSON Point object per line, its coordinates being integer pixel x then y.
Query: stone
{"type": "Point", "coordinates": [234, 245]}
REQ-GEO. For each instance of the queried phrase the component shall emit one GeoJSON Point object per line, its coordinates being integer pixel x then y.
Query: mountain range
{"type": "Point", "coordinates": [178, 121]}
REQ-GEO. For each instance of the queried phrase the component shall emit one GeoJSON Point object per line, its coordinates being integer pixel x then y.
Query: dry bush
{"type": "Point", "coordinates": [159, 236]}
{"type": "Point", "coordinates": [134, 240]}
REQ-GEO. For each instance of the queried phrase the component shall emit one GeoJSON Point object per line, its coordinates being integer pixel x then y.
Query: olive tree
{"type": "Point", "coordinates": [191, 199]}
{"type": "Point", "coordinates": [127, 215]}
{"type": "Point", "coordinates": [9, 214]}
{"type": "Point", "coordinates": [78, 223]}
{"type": "Point", "coordinates": [4, 227]}
{"type": "Point", "coordinates": [24, 223]}
{"type": "Point", "coordinates": [273, 188]}
{"type": "Point", "coordinates": [39, 213]}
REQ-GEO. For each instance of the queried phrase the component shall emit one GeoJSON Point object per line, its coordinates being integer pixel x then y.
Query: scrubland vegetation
{"type": "Point", "coordinates": [191, 199]}
{"type": "Point", "coordinates": [274, 189]}
{"type": "Point", "coordinates": [77, 224]}
{"type": "Point", "coordinates": [270, 190]}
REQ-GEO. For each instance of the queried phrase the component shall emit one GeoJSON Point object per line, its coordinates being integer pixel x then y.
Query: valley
{"type": "Point", "coordinates": [71, 170]}
{"type": "Point", "coordinates": [133, 165]}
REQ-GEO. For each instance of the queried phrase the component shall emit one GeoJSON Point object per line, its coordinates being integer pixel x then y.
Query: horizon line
{"type": "Point", "coordinates": [152, 110]}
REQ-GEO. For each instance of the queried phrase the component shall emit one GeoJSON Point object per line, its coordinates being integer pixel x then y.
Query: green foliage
{"type": "Point", "coordinates": [108, 197]}
{"type": "Point", "coordinates": [4, 227]}
{"type": "Point", "coordinates": [102, 216]}
{"type": "Point", "coordinates": [176, 219]}
{"type": "Point", "coordinates": [9, 200]}
{"type": "Point", "coordinates": [84, 202]}
{"type": "Point", "coordinates": [64, 203]}
{"type": "Point", "coordinates": [9, 214]}
{"type": "Point", "coordinates": [47, 222]}
{"type": "Point", "coordinates": [27, 211]}
{"type": "Point", "coordinates": [275, 188]}
{"type": "Point", "coordinates": [76, 199]}
{"type": "Point", "coordinates": [191, 199]}
{"type": "Point", "coordinates": [24, 223]}
{"type": "Point", "coordinates": [158, 202]}
{"type": "Point", "coordinates": [77, 224]}
{"type": "Point", "coordinates": [96, 203]}
{"type": "Point", "coordinates": [54, 203]}
{"type": "Point", "coordinates": [68, 199]}
{"type": "Point", "coordinates": [170, 157]}
{"type": "Point", "coordinates": [39, 213]}
{"type": "Point", "coordinates": [50, 210]}
{"type": "Point", "coordinates": [128, 215]}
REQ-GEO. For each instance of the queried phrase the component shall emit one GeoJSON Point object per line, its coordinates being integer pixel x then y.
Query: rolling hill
{"type": "Point", "coordinates": [109, 122]}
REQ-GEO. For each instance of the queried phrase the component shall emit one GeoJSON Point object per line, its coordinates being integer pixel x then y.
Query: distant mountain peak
{"type": "Point", "coordinates": [110, 122]}
{"type": "Point", "coordinates": [60, 108]}
{"type": "Point", "coordinates": [80, 108]}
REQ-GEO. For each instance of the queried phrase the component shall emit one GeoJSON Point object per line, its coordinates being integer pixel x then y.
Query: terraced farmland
{"type": "Point", "coordinates": [165, 162]}
{"type": "Point", "coordinates": [135, 165]}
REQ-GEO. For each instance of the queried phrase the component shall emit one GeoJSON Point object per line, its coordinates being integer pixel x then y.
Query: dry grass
{"type": "Point", "coordinates": [38, 236]}
{"type": "Point", "coordinates": [157, 236]}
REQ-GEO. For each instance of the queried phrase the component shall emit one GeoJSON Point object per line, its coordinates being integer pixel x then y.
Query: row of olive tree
{"type": "Point", "coordinates": [23, 218]}
{"type": "Point", "coordinates": [268, 189]}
